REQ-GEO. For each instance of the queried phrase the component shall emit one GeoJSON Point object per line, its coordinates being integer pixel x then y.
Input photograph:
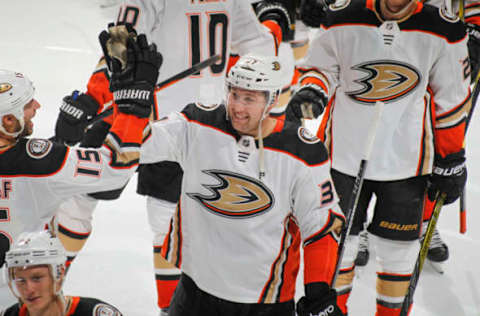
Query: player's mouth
{"type": "Point", "coordinates": [33, 300]}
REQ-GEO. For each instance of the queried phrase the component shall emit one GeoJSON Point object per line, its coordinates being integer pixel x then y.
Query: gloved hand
{"type": "Point", "coordinates": [76, 110]}
{"type": "Point", "coordinates": [281, 11]}
{"type": "Point", "coordinates": [313, 12]}
{"type": "Point", "coordinates": [308, 102]}
{"type": "Point", "coordinates": [319, 300]}
{"type": "Point", "coordinates": [473, 48]}
{"type": "Point", "coordinates": [449, 175]}
{"type": "Point", "coordinates": [133, 82]}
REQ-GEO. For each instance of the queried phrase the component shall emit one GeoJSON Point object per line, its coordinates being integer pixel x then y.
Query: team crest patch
{"type": "Point", "coordinates": [205, 107]}
{"type": "Point", "coordinates": [306, 136]}
{"type": "Point", "coordinates": [339, 5]}
{"type": "Point", "coordinates": [104, 310]}
{"type": "Point", "coordinates": [38, 148]}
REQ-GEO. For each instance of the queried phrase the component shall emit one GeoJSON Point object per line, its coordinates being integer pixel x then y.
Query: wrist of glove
{"type": "Point", "coordinates": [308, 102]}
{"type": "Point", "coordinates": [75, 112]}
{"type": "Point", "coordinates": [449, 175]}
{"type": "Point", "coordinates": [277, 12]}
{"type": "Point", "coordinates": [313, 12]}
{"type": "Point", "coordinates": [319, 300]}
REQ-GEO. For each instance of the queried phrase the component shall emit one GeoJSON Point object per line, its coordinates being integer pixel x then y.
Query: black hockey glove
{"type": "Point", "coordinates": [308, 102]}
{"type": "Point", "coordinates": [473, 48]}
{"type": "Point", "coordinates": [281, 11]}
{"type": "Point", "coordinates": [313, 12]}
{"type": "Point", "coordinates": [449, 175]}
{"type": "Point", "coordinates": [134, 82]}
{"type": "Point", "coordinates": [76, 110]}
{"type": "Point", "coordinates": [319, 299]}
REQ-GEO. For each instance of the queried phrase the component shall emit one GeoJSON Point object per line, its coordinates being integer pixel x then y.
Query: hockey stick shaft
{"type": "Point", "coordinates": [407, 301]}
{"type": "Point", "coordinates": [175, 78]}
{"type": "Point", "coordinates": [357, 188]}
{"type": "Point", "coordinates": [463, 199]}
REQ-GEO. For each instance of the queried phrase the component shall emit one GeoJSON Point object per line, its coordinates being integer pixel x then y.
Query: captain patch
{"type": "Point", "coordinates": [306, 136]}
{"type": "Point", "coordinates": [38, 148]}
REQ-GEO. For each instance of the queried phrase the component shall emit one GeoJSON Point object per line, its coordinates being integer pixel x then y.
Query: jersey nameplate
{"type": "Point", "coordinates": [38, 148]}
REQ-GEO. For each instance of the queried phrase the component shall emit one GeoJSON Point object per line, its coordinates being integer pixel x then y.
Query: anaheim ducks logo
{"type": "Point", "coordinates": [386, 81]}
{"type": "Point", "coordinates": [4, 87]}
{"type": "Point", "coordinates": [235, 196]}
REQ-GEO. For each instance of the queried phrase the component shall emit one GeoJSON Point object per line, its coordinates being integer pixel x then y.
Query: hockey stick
{"type": "Point", "coordinates": [463, 200]}
{"type": "Point", "coordinates": [357, 187]}
{"type": "Point", "coordinates": [167, 82]}
{"type": "Point", "coordinates": [407, 301]}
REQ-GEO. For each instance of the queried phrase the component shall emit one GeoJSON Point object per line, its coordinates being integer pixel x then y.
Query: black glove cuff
{"type": "Point", "coordinates": [316, 289]}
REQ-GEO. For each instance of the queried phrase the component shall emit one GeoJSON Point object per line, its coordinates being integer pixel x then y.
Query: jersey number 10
{"type": "Point", "coordinates": [216, 32]}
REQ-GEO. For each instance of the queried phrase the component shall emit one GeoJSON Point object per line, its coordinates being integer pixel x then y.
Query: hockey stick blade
{"type": "Point", "coordinates": [181, 75]}
{"type": "Point", "coordinates": [407, 301]}
{"type": "Point", "coordinates": [357, 187]}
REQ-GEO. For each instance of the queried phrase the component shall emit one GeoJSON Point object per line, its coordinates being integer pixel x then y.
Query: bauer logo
{"type": "Point", "coordinates": [234, 195]}
{"type": "Point", "coordinates": [398, 227]}
{"type": "Point", "coordinates": [385, 81]}
{"type": "Point", "coordinates": [4, 87]}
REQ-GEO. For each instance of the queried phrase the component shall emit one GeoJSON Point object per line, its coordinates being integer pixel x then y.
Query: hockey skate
{"type": "Point", "coordinates": [437, 251]}
{"type": "Point", "coordinates": [163, 312]}
{"type": "Point", "coordinates": [363, 254]}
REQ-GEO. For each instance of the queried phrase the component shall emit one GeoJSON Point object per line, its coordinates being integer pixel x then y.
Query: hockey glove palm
{"type": "Point", "coordinates": [449, 175]}
{"type": "Point", "coordinates": [473, 48]}
{"type": "Point", "coordinates": [75, 112]}
{"type": "Point", "coordinates": [313, 12]}
{"type": "Point", "coordinates": [308, 102]}
{"type": "Point", "coordinates": [319, 300]}
{"type": "Point", "coordinates": [133, 84]}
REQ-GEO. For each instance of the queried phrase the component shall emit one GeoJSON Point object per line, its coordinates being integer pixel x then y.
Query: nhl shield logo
{"type": "Point", "coordinates": [38, 148]}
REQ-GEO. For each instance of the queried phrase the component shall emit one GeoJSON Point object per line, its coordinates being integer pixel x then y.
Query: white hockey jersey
{"type": "Point", "coordinates": [187, 32]}
{"type": "Point", "coordinates": [417, 66]}
{"type": "Point", "coordinates": [37, 175]}
{"type": "Point", "coordinates": [237, 236]}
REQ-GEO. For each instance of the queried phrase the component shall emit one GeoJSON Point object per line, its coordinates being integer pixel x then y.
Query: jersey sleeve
{"type": "Point", "coordinates": [144, 15]}
{"type": "Point", "coordinates": [451, 96]}
{"type": "Point", "coordinates": [320, 66]}
{"type": "Point", "coordinates": [166, 140]}
{"type": "Point", "coordinates": [87, 170]}
{"type": "Point", "coordinates": [248, 34]}
{"type": "Point", "coordinates": [320, 219]}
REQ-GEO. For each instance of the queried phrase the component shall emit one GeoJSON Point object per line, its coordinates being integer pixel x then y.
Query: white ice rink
{"type": "Point", "coordinates": [54, 42]}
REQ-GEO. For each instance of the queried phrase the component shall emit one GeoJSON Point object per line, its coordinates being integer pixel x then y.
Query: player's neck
{"type": "Point", "coordinates": [392, 11]}
{"type": "Point", "coordinates": [268, 125]}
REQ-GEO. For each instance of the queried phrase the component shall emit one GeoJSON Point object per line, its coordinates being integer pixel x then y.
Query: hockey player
{"type": "Point", "coordinates": [186, 32]}
{"type": "Point", "coordinates": [35, 273]}
{"type": "Point", "coordinates": [399, 52]}
{"type": "Point", "coordinates": [38, 175]}
{"type": "Point", "coordinates": [254, 187]}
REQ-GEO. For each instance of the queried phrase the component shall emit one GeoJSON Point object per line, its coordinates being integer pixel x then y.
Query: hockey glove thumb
{"type": "Point", "coordinates": [449, 175]}
{"type": "Point", "coordinates": [319, 300]}
{"type": "Point", "coordinates": [75, 112]}
{"type": "Point", "coordinates": [308, 102]}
